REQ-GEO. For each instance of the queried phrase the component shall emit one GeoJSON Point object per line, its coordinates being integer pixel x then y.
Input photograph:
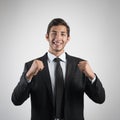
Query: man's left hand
{"type": "Point", "coordinates": [86, 69]}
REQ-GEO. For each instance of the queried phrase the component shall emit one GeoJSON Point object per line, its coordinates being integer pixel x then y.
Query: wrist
{"type": "Point", "coordinates": [92, 76]}
{"type": "Point", "coordinates": [29, 76]}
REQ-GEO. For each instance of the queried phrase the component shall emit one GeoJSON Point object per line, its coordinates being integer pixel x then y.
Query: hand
{"type": "Point", "coordinates": [36, 66]}
{"type": "Point", "coordinates": [86, 69]}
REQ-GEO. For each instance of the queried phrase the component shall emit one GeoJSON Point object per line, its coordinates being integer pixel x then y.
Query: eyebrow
{"type": "Point", "coordinates": [56, 31]}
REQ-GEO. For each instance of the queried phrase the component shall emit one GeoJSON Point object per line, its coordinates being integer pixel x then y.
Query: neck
{"type": "Point", "coordinates": [57, 53]}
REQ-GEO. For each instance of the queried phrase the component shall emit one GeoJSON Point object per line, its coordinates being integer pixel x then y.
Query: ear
{"type": "Point", "coordinates": [68, 39]}
{"type": "Point", "coordinates": [47, 37]}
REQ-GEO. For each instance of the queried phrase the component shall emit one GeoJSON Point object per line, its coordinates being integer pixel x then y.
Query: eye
{"type": "Point", "coordinates": [53, 33]}
{"type": "Point", "coordinates": [63, 34]}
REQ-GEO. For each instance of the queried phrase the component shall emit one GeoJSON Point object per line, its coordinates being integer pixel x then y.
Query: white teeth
{"type": "Point", "coordinates": [57, 43]}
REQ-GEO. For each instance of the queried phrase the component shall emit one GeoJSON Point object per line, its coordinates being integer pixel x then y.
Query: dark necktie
{"type": "Point", "coordinates": [59, 90]}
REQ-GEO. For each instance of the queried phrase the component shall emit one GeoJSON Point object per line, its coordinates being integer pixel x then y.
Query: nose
{"type": "Point", "coordinates": [58, 36]}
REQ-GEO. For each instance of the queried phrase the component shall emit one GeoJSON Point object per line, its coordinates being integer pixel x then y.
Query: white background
{"type": "Point", "coordinates": [95, 36]}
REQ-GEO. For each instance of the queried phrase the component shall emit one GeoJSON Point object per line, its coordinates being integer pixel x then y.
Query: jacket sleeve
{"type": "Point", "coordinates": [22, 90]}
{"type": "Point", "coordinates": [95, 90]}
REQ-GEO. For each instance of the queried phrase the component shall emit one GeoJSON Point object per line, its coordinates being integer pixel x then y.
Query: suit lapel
{"type": "Point", "coordinates": [69, 67]}
{"type": "Point", "coordinates": [46, 76]}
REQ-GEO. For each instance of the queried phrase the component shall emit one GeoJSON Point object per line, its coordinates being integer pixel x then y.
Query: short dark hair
{"type": "Point", "coordinates": [56, 22]}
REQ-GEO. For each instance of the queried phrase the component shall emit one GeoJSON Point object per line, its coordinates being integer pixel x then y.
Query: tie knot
{"type": "Point", "coordinates": [57, 59]}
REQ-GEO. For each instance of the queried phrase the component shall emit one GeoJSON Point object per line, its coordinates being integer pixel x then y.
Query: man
{"type": "Point", "coordinates": [50, 99]}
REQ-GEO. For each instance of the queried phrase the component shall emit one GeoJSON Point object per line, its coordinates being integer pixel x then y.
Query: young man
{"type": "Point", "coordinates": [57, 87]}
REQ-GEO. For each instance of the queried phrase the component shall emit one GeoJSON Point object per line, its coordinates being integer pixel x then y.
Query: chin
{"type": "Point", "coordinates": [58, 50]}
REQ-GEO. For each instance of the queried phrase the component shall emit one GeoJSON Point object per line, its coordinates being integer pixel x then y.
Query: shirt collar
{"type": "Point", "coordinates": [51, 57]}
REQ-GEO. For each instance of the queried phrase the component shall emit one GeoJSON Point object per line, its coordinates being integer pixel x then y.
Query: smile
{"type": "Point", "coordinates": [57, 43]}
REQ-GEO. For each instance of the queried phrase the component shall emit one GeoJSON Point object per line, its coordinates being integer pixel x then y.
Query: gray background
{"type": "Point", "coordinates": [95, 33]}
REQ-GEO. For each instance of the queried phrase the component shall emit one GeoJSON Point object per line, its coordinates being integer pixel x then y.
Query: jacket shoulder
{"type": "Point", "coordinates": [74, 58]}
{"type": "Point", "coordinates": [29, 63]}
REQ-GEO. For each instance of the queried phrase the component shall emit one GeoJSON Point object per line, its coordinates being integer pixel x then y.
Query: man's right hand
{"type": "Point", "coordinates": [36, 66]}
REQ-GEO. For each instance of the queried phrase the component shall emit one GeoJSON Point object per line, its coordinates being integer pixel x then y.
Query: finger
{"type": "Point", "coordinates": [36, 72]}
{"type": "Point", "coordinates": [82, 65]}
{"type": "Point", "coordinates": [40, 65]}
{"type": "Point", "coordinates": [83, 62]}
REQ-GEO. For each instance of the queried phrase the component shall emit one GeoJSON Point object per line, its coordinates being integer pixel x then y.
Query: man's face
{"type": "Point", "coordinates": [57, 38]}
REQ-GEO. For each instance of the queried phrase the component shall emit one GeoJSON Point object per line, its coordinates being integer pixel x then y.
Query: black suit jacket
{"type": "Point", "coordinates": [40, 91]}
